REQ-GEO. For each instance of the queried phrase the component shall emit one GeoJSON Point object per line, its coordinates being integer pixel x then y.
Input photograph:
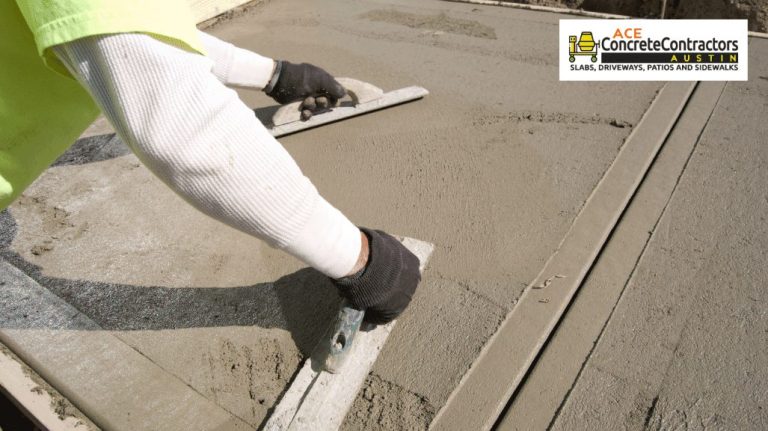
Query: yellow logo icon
{"type": "Point", "coordinates": [585, 46]}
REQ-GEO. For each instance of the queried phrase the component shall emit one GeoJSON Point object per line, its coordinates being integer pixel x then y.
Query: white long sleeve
{"type": "Point", "coordinates": [203, 142]}
{"type": "Point", "coordinates": [237, 67]}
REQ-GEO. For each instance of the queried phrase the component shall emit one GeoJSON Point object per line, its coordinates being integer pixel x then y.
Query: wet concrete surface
{"type": "Point", "coordinates": [685, 347]}
{"type": "Point", "coordinates": [557, 368]}
{"type": "Point", "coordinates": [492, 167]}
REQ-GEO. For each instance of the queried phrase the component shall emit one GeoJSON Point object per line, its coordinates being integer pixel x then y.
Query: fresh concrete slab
{"type": "Point", "coordinates": [686, 345]}
{"type": "Point", "coordinates": [537, 400]}
{"type": "Point", "coordinates": [205, 9]}
{"type": "Point", "coordinates": [492, 167]}
{"type": "Point", "coordinates": [486, 389]}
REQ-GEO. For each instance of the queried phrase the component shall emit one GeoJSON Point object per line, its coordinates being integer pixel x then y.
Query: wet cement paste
{"type": "Point", "coordinates": [492, 167]}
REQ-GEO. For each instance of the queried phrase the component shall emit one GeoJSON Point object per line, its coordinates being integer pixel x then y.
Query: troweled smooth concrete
{"type": "Point", "coordinates": [506, 359]}
{"type": "Point", "coordinates": [539, 398]}
{"type": "Point", "coordinates": [686, 345]}
{"type": "Point", "coordinates": [492, 167]}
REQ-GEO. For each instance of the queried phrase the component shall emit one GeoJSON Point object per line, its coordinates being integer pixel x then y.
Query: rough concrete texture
{"type": "Point", "coordinates": [756, 11]}
{"type": "Point", "coordinates": [492, 167]}
{"type": "Point", "coordinates": [113, 384]}
{"type": "Point", "coordinates": [384, 406]}
{"type": "Point", "coordinates": [686, 345]}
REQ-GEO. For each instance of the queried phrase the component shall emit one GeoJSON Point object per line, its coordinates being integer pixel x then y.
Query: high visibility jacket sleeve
{"type": "Point", "coordinates": [43, 112]}
{"type": "Point", "coordinates": [54, 22]}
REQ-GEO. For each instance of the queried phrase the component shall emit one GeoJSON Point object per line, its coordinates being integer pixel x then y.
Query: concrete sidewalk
{"type": "Point", "coordinates": [492, 167]}
{"type": "Point", "coordinates": [686, 345]}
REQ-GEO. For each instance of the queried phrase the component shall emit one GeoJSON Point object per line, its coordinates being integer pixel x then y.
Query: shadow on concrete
{"type": "Point", "coordinates": [303, 303]}
{"type": "Point", "coordinates": [93, 149]}
{"type": "Point", "coordinates": [265, 114]}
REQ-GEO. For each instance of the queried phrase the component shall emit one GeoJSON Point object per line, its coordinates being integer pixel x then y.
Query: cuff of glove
{"type": "Point", "coordinates": [275, 77]}
{"type": "Point", "coordinates": [366, 288]}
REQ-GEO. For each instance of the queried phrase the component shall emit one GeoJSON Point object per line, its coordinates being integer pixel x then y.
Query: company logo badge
{"type": "Point", "coordinates": [584, 45]}
{"type": "Point", "coordinates": [653, 50]}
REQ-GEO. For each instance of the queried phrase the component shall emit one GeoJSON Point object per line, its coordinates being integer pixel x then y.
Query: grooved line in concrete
{"type": "Point", "coordinates": [634, 268]}
{"type": "Point", "coordinates": [544, 390]}
{"type": "Point", "coordinates": [487, 387]}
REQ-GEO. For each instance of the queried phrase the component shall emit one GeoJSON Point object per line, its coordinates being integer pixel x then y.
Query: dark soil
{"type": "Point", "coordinates": [756, 11]}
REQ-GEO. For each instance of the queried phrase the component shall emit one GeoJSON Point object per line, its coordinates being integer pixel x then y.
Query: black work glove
{"type": "Point", "coordinates": [387, 284]}
{"type": "Point", "coordinates": [293, 82]}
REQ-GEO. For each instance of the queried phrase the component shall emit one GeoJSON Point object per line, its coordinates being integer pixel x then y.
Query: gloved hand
{"type": "Point", "coordinates": [293, 82]}
{"type": "Point", "coordinates": [388, 281]}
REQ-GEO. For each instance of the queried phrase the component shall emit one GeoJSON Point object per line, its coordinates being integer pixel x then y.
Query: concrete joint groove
{"type": "Point", "coordinates": [513, 348]}
{"type": "Point", "coordinates": [661, 185]}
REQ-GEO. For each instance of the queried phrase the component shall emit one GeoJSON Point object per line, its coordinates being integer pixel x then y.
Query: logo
{"type": "Point", "coordinates": [585, 46]}
{"type": "Point", "coordinates": [653, 50]}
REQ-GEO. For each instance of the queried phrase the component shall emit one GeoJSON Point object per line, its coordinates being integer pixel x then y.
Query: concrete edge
{"type": "Point", "coordinates": [566, 11]}
{"type": "Point", "coordinates": [103, 377]}
{"type": "Point", "coordinates": [206, 9]}
{"type": "Point", "coordinates": [40, 401]}
{"type": "Point", "coordinates": [486, 388]}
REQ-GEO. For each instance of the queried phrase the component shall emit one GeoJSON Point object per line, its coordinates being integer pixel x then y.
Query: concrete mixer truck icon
{"type": "Point", "coordinates": [585, 46]}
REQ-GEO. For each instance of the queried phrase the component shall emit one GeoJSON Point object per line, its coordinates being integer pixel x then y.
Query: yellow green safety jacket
{"type": "Point", "coordinates": [42, 112]}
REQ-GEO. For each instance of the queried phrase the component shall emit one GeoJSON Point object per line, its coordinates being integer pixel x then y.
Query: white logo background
{"type": "Point", "coordinates": [584, 69]}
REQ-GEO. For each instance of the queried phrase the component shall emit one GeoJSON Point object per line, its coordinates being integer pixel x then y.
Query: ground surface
{"type": "Point", "coordinates": [687, 345]}
{"type": "Point", "coordinates": [492, 167]}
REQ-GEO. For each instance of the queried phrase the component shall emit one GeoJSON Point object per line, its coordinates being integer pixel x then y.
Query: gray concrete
{"type": "Point", "coordinates": [492, 167]}
{"type": "Point", "coordinates": [539, 398]}
{"type": "Point", "coordinates": [488, 386]}
{"type": "Point", "coordinates": [686, 345]}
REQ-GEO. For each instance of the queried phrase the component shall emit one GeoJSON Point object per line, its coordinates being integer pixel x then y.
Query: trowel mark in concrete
{"type": "Point", "coordinates": [548, 117]}
{"type": "Point", "coordinates": [439, 23]}
{"type": "Point", "coordinates": [436, 42]}
{"type": "Point", "coordinates": [261, 370]}
{"type": "Point", "coordinates": [663, 416]}
{"type": "Point", "coordinates": [53, 223]}
{"type": "Point", "coordinates": [383, 405]}
{"type": "Point", "coordinates": [250, 8]}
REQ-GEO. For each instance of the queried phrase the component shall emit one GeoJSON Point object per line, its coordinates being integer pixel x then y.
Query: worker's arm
{"type": "Point", "coordinates": [237, 67]}
{"type": "Point", "coordinates": [282, 80]}
{"type": "Point", "coordinates": [200, 139]}
{"type": "Point", "coordinates": [203, 142]}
